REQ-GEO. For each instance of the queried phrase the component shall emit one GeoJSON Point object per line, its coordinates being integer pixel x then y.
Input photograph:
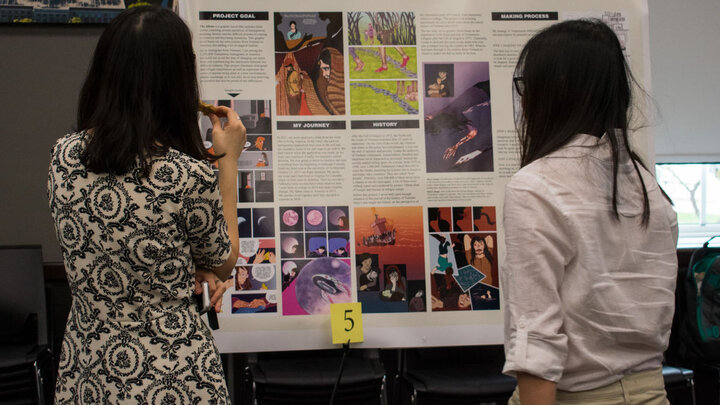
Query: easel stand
{"type": "Point", "coordinates": [346, 349]}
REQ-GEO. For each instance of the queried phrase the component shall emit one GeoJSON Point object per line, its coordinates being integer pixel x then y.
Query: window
{"type": "Point", "coordinates": [695, 191]}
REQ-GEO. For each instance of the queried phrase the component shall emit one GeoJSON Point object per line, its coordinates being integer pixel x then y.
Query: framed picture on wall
{"type": "Point", "coordinates": [71, 11]}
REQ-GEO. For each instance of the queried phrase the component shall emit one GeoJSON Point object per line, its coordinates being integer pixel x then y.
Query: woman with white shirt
{"type": "Point", "coordinates": [590, 238]}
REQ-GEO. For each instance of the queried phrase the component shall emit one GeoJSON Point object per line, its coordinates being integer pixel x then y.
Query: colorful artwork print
{"type": "Point", "coordinates": [254, 303]}
{"type": "Point", "coordinates": [381, 28]}
{"type": "Point", "coordinates": [315, 258]}
{"type": "Point", "coordinates": [393, 62]}
{"type": "Point", "coordinates": [384, 97]}
{"type": "Point", "coordinates": [439, 80]}
{"type": "Point", "coordinates": [256, 269]}
{"type": "Point", "coordinates": [464, 268]}
{"type": "Point", "coordinates": [383, 72]}
{"type": "Point", "coordinates": [70, 11]}
{"type": "Point", "coordinates": [484, 219]}
{"type": "Point", "coordinates": [458, 130]}
{"type": "Point", "coordinates": [257, 251]}
{"type": "Point", "coordinates": [309, 64]}
{"type": "Point", "coordinates": [254, 277]}
{"type": "Point", "coordinates": [389, 258]}
{"type": "Point", "coordinates": [338, 219]}
{"type": "Point", "coordinates": [311, 285]}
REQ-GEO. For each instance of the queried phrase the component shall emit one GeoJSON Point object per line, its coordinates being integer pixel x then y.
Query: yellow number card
{"type": "Point", "coordinates": [346, 322]}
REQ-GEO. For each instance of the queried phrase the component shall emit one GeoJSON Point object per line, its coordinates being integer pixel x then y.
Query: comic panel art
{"type": "Point", "coordinates": [254, 303]}
{"type": "Point", "coordinates": [384, 68]}
{"type": "Point", "coordinates": [253, 283]}
{"type": "Point", "coordinates": [255, 186]}
{"type": "Point", "coordinates": [464, 268]}
{"type": "Point", "coordinates": [383, 62]}
{"type": "Point", "coordinates": [255, 223]}
{"type": "Point", "coordinates": [458, 130]}
{"type": "Point", "coordinates": [256, 162]}
{"type": "Point", "coordinates": [381, 28]}
{"type": "Point", "coordinates": [315, 251]}
{"type": "Point", "coordinates": [71, 12]}
{"type": "Point", "coordinates": [484, 219]}
{"type": "Point", "coordinates": [384, 97]}
{"type": "Point", "coordinates": [309, 63]}
{"type": "Point", "coordinates": [389, 257]}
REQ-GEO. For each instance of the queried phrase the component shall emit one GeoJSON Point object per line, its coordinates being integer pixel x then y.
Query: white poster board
{"type": "Point", "coordinates": [379, 144]}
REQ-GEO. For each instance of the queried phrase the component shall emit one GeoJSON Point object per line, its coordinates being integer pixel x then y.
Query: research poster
{"type": "Point", "coordinates": [379, 143]}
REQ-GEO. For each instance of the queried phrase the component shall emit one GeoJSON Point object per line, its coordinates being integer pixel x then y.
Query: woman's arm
{"type": "Point", "coordinates": [535, 390]}
{"type": "Point", "coordinates": [229, 140]}
{"type": "Point", "coordinates": [539, 241]}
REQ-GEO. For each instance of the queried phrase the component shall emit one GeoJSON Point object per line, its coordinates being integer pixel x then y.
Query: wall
{"type": "Point", "coordinates": [41, 71]}
{"type": "Point", "coordinates": [685, 57]}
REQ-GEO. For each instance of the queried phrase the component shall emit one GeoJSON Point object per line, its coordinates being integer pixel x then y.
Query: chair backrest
{"type": "Point", "coordinates": [22, 291]}
{"type": "Point", "coordinates": [492, 356]}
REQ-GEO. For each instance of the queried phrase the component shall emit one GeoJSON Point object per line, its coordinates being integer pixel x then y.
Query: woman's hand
{"type": "Point", "coordinates": [216, 286]}
{"type": "Point", "coordinates": [229, 138]}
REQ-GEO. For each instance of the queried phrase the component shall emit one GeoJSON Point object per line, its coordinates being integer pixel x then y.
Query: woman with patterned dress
{"type": "Point", "coordinates": [142, 221]}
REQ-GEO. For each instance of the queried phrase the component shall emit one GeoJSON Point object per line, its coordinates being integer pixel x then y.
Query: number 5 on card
{"type": "Point", "coordinates": [346, 322]}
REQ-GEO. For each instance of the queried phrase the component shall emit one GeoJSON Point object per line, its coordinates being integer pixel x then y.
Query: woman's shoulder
{"type": "Point", "coordinates": [562, 167]}
{"type": "Point", "coordinates": [68, 148]}
{"type": "Point", "coordinates": [177, 167]}
{"type": "Point", "coordinates": [532, 174]}
{"type": "Point", "coordinates": [71, 139]}
{"type": "Point", "coordinates": [175, 157]}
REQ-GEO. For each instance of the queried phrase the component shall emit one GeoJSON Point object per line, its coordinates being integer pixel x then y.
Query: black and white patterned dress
{"type": "Point", "coordinates": [131, 245]}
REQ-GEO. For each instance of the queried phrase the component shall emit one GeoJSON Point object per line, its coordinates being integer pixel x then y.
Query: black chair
{"type": "Point", "coordinates": [707, 383]}
{"type": "Point", "coordinates": [679, 385]}
{"type": "Point", "coordinates": [456, 375]}
{"type": "Point", "coordinates": [308, 377]}
{"type": "Point", "coordinates": [25, 360]}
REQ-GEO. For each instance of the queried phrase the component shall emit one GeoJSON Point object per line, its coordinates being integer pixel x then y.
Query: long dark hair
{"type": "Point", "coordinates": [394, 269]}
{"type": "Point", "coordinates": [486, 249]}
{"type": "Point", "coordinates": [141, 94]}
{"type": "Point", "coordinates": [573, 79]}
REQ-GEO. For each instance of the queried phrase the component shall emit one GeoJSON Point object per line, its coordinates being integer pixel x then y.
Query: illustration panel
{"type": "Point", "coordinates": [253, 283]}
{"type": "Point", "coordinates": [464, 268]}
{"type": "Point", "coordinates": [383, 62]}
{"type": "Point", "coordinates": [309, 64]}
{"type": "Point", "coordinates": [315, 258]}
{"type": "Point", "coordinates": [458, 130]}
{"type": "Point", "coordinates": [389, 257]}
{"type": "Point", "coordinates": [381, 28]}
{"type": "Point", "coordinates": [384, 97]}
{"type": "Point", "coordinates": [70, 11]}
{"type": "Point", "coordinates": [254, 303]}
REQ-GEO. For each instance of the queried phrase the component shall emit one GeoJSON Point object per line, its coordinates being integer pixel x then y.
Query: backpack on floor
{"type": "Point", "coordinates": [699, 308]}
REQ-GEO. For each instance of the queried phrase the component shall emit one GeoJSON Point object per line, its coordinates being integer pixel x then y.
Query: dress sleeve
{"type": "Point", "coordinates": [205, 224]}
{"type": "Point", "coordinates": [538, 248]}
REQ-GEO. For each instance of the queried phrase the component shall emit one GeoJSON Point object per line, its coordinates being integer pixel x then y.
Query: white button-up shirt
{"type": "Point", "coordinates": [589, 298]}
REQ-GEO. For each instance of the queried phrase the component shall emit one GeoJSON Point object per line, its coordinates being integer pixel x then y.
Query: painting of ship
{"type": "Point", "coordinates": [383, 232]}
